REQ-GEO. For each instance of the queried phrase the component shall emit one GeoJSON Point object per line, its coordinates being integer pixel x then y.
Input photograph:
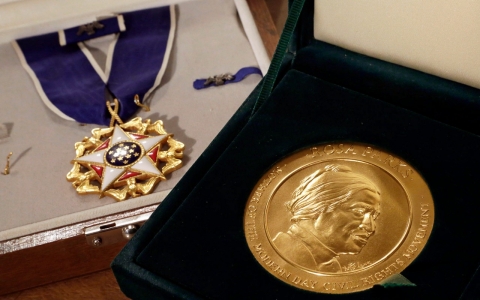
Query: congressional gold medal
{"type": "Point", "coordinates": [124, 160]}
{"type": "Point", "coordinates": [338, 218]}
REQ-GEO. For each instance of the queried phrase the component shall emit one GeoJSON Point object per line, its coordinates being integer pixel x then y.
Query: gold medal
{"type": "Point", "coordinates": [338, 218]}
{"type": "Point", "coordinates": [126, 159]}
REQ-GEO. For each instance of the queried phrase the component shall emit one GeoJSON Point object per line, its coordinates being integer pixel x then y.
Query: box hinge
{"type": "Point", "coordinates": [113, 232]}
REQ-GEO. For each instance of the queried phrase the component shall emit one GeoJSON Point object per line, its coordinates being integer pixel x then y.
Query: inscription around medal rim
{"type": "Point", "coordinates": [367, 151]}
{"type": "Point", "coordinates": [355, 275]}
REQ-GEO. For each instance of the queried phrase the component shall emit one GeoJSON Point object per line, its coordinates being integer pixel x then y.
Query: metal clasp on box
{"type": "Point", "coordinates": [113, 232]}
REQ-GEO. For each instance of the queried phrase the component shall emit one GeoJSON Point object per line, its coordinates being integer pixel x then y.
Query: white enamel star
{"type": "Point", "coordinates": [111, 174]}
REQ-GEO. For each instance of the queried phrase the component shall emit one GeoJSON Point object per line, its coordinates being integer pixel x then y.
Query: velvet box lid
{"type": "Point", "coordinates": [194, 245]}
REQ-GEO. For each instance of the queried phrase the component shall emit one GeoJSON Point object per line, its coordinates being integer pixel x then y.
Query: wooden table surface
{"type": "Point", "coordinates": [270, 18]}
{"type": "Point", "coordinates": [99, 285]}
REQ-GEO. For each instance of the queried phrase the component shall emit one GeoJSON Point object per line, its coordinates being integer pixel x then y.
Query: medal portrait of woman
{"type": "Point", "coordinates": [333, 213]}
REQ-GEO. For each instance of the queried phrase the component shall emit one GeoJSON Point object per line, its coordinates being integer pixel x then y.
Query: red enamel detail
{"type": "Point", "coordinates": [97, 169]}
{"type": "Point", "coordinates": [153, 154]}
{"type": "Point", "coordinates": [138, 136]}
{"type": "Point", "coordinates": [129, 174]}
{"type": "Point", "coordinates": [103, 146]}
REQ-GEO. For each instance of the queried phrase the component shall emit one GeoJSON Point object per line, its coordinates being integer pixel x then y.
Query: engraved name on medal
{"type": "Point", "coordinates": [338, 218]}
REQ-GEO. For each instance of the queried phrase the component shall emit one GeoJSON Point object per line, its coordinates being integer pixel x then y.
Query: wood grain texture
{"type": "Point", "coordinates": [53, 262]}
{"type": "Point", "coordinates": [99, 285]}
{"type": "Point", "coordinates": [279, 12]}
{"type": "Point", "coordinates": [265, 25]}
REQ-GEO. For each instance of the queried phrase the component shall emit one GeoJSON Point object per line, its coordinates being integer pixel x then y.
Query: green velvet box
{"type": "Point", "coordinates": [194, 245]}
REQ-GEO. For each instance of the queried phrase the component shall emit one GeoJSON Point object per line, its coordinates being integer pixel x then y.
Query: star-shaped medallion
{"type": "Point", "coordinates": [125, 160]}
{"type": "Point", "coordinates": [123, 156]}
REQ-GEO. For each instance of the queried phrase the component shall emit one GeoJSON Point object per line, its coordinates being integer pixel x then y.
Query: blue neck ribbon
{"type": "Point", "coordinates": [71, 83]}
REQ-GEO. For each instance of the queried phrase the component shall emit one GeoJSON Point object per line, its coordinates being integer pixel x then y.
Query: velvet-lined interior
{"type": "Point", "coordinates": [202, 247]}
{"type": "Point", "coordinates": [444, 100]}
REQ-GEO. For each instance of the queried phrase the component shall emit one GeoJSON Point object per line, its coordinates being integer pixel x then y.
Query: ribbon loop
{"type": "Point", "coordinates": [225, 78]}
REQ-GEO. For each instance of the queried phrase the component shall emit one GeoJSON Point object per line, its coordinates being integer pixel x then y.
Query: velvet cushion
{"type": "Point", "coordinates": [443, 100]}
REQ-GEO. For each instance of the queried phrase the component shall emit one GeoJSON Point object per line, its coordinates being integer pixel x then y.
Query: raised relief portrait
{"type": "Point", "coordinates": [333, 212]}
{"type": "Point", "coordinates": [338, 218]}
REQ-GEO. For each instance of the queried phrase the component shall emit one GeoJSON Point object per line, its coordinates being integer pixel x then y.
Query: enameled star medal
{"type": "Point", "coordinates": [126, 159]}
{"type": "Point", "coordinates": [123, 160]}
